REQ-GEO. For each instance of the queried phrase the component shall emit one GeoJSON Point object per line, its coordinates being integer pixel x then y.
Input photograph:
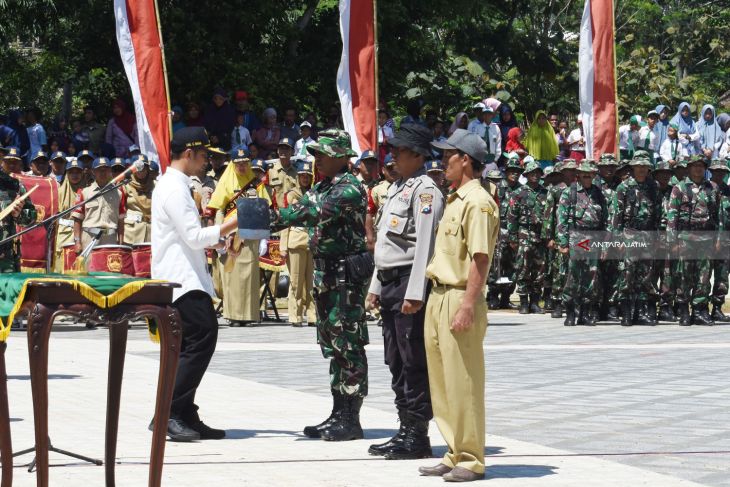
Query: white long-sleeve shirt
{"type": "Point", "coordinates": [673, 149]}
{"type": "Point", "coordinates": [178, 239]}
{"type": "Point", "coordinates": [648, 139]}
{"type": "Point", "coordinates": [493, 138]}
{"type": "Point", "coordinates": [628, 139]}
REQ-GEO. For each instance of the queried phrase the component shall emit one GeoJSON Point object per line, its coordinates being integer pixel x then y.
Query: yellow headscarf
{"type": "Point", "coordinates": [540, 141]}
{"type": "Point", "coordinates": [229, 184]}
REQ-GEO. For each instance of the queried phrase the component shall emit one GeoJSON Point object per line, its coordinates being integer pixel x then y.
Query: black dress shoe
{"type": "Point", "coordinates": [178, 430]}
{"type": "Point", "coordinates": [206, 432]}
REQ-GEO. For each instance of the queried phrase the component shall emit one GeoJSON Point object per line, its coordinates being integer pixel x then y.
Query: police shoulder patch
{"type": "Point", "coordinates": [426, 198]}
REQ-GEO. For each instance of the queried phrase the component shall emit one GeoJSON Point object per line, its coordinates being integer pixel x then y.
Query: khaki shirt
{"type": "Point", "coordinates": [104, 212]}
{"type": "Point", "coordinates": [470, 226]}
{"type": "Point", "coordinates": [294, 237]}
{"type": "Point", "coordinates": [282, 181]}
{"type": "Point", "coordinates": [137, 227]}
{"type": "Point", "coordinates": [379, 193]}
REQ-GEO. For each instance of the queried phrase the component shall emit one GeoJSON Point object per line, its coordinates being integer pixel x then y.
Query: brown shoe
{"type": "Point", "coordinates": [461, 474]}
{"type": "Point", "coordinates": [437, 471]}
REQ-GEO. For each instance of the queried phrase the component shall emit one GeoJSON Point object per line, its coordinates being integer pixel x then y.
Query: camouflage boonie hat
{"type": "Point", "coordinates": [681, 163]}
{"type": "Point", "coordinates": [662, 166]}
{"type": "Point", "coordinates": [494, 174]}
{"type": "Point", "coordinates": [718, 165]}
{"type": "Point", "coordinates": [548, 171]}
{"type": "Point", "coordinates": [641, 154]}
{"type": "Point", "coordinates": [587, 165]}
{"type": "Point", "coordinates": [555, 168]}
{"type": "Point", "coordinates": [333, 143]}
{"type": "Point", "coordinates": [641, 158]}
{"type": "Point", "coordinates": [568, 164]}
{"type": "Point", "coordinates": [607, 160]}
{"type": "Point", "coordinates": [698, 158]}
{"type": "Point", "coordinates": [532, 166]}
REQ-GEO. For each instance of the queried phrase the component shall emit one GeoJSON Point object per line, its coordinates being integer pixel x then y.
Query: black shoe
{"type": "Point", "coordinates": [557, 311]}
{"type": "Point", "coordinates": [381, 449]}
{"type": "Point", "coordinates": [414, 444]}
{"type": "Point", "coordinates": [314, 431]}
{"type": "Point", "coordinates": [535, 304]}
{"type": "Point", "coordinates": [718, 315]}
{"type": "Point", "coordinates": [612, 313]}
{"type": "Point", "coordinates": [643, 318]}
{"type": "Point", "coordinates": [651, 312]}
{"type": "Point", "coordinates": [524, 306]}
{"type": "Point", "coordinates": [206, 432]}
{"type": "Point", "coordinates": [683, 309]}
{"type": "Point", "coordinates": [666, 313]}
{"type": "Point", "coordinates": [346, 423]}
{"type": "Point", "coordinates": [569, 315]}
{"type": "Point", "coordinates": [547, 299]}
{"type": "Point", "coordinates": [701, 316]}
{"type": "Point", "coordinates": [178, 430]}
{"type": "Point", "coordinates": [504, 302]}
{"type": "Point", "coordinates": [627, 313]}
{"type": "Point", "coordinates": [493, 300]}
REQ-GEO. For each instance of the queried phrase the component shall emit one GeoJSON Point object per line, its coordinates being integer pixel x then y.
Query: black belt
{"type": "Point", "coordinates": [389, 275]}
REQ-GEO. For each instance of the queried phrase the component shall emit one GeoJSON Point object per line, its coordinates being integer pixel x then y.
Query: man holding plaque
{"type": "Point", "coordinates": [334, 214]}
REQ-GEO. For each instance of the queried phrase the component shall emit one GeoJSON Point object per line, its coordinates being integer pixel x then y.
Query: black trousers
{"type": "Point", "coordinates": [199, 337]}
{"type": "Point", "coordinates": [405, 352]}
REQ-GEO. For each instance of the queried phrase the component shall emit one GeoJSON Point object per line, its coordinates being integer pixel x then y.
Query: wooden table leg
{"type": "Point", "coordinates": [117, 351]}
{"type": "Point", "coordinates": [39, 330]}
{"type": "Point", "coordinates": [6, 446]}
{"type": "Point", "coordinates": [169, 326]}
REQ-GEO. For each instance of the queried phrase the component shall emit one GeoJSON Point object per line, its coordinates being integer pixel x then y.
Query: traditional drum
{"type": "Point", "coordinates": [111, 258]}
{"type": "Point", "coordinates": [272, 260]}
{"type": "Point", "coordinates": [141, 255]}
{"type": "Point", "coordinates": [68, 256]}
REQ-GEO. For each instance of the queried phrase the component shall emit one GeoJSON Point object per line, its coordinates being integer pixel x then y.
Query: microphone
{"type": "Point", "coordinates": [133, 168]}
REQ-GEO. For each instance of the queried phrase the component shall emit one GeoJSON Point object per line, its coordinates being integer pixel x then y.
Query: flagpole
{"type": "Point", "coordinates": [164, 71]}
{"type": "Point", "coordinates": [377, 86]}
{"type": "Point", "coordinates": [615, 80]}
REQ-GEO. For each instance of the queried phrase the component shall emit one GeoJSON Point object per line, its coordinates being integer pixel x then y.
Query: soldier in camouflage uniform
{"type": "Point", "coordinates": [557, 261]}
{"type": "Point", "coordinates": [607, 182]}
{"type": "Point", "coordinates": [334, 213]}
{"type": "Point", "coordinates": [524, 228]}
{"type": "Point", "coordinates": [582, 206]}
{"type": "Point", "coordinates": [664, 269]}
{"type": "Point", "coordinates": [636, 207]}
{"type": "Point", "coordinates": [693, 207]}
{"type": "Point", "coordinates": [505, 189]}
{"type": "Point", "coordinates": [24, 213]}
{"type": "Point", "coordinates": [719, 170]}
{"type": "Point", "coordinates": [550, 178]}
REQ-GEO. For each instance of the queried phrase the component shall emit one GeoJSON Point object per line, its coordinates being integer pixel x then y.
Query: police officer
{"type": "Point", "coordinates": [406, 233]}
{"type": "Point", "coordinates": [456, 314]}
{"type": "Point", "coordinates": [435, 171]}
{"type": "Point", "coordinates": [334, 213]}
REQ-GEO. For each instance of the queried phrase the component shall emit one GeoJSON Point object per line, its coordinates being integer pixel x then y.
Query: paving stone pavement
{"type": "Point", "coordinates": [560, 401]}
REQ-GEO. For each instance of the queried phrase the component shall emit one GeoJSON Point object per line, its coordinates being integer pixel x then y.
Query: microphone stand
{"type": "Point", "coordinates": [51, 221]}
{"type": "Point", "coordinates": [49, 224]}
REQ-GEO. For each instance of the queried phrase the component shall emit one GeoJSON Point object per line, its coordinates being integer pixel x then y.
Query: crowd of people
{"type": "Point", "coordinates": [435, 211]}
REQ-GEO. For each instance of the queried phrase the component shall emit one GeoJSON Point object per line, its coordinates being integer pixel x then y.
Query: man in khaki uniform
{"type": "Point", "coordinates": [456, 314]}
{"type": "Point", "coordinates": [137, 227]}
{"type": "Point", "coordinates": [294, 248]}
{"type": "Point", "coordinates": [105, 213]}
{"type": "Point", "coordinates": [283, 174]}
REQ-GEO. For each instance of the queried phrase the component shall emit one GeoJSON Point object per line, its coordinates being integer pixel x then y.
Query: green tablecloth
{"type": "Point", "coordinates": [103, 289]}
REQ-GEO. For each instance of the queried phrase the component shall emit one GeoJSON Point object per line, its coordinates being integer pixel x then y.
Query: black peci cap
{"type": "Point", "coordinates": [189, 138]}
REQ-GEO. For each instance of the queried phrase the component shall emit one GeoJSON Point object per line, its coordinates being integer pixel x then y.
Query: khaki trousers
{"type": "Point", "coordinates": [301, 277]}
{"type": "Point", "coordinates": [456, 377]}
{"type": "Point", "coordinates": [241, 285]}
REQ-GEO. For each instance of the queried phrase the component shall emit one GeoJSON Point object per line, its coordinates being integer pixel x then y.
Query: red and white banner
{"type": "Point", "coordinates": [356, 75]}
{"type": "Point", "coordinates": [597, 67]}
{"type": "Point", "coordinates": [140, 45]}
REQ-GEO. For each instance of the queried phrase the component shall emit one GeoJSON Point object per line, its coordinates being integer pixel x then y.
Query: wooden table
{"type": "Point", "coordinates": [44, 301]}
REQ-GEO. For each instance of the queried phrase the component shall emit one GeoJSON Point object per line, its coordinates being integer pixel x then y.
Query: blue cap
{"type": "Point", "coordinates": [139, 157]}
{"type": "Point", "coordinates": [86, 153]}
{"type": "Point", "coordinates": [39, 155]}
{"type": "Point", "coordinates": [118, 161]}
{"type": "Point", "coordinates": [388, 161]}
{"type": "Point", "coordinates": [13, 153]}
{"type": "Point", "coordinates": [154, 166]}
{"type": "Point", "coordinates": [74, 164]}
{"type": "Point", "coordinates": [287, 142]}
{"type": "Point", "coordinates": [368, 154]}
{"type": "Point", "coordinates": [259, 164]}
{"type": "Point", "coordinates": [58, 155]}
{"type": "Point", "coordinates": [434, 165]}
{"type": "Point", "coordinates": [100, 162]}
{"type": "Point", "coordinates": [305, 167]}
{"type": "Point", "coordinates": [240, 155]}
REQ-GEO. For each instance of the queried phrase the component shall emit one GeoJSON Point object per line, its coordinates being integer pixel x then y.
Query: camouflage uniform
{"type": "Point", "coordinates": [584, 209]}
{"type": "Point", "coordinates": [693, 207]}
{"type": "Point", "coordinates": [524, 227]}
{"type": "Point", "coordinates": [11, 188]}
{"type": "Point", "coordinates": [665, 269]}
{"type": "Point", "coordinates": [609, 270]}
{"type": "Point", "coordinates": [636, 207]}
{"type": "Point", "coordinates": [507, 255]}
{"type": "Point", "coordinates": [720, 267]}
{"type": "Point", "coordinates": [334, 213]}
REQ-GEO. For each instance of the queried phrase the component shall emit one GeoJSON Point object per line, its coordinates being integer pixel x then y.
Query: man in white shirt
{"type": "Point", "coordinates": [178, 255]}
{"type": "Point", "coordinates": [492, 136]}
{"type": "Point", "coordinates": [300, 148]}
{"type": "Point", "coordinates": [648, 139]}
{"type": "Point", "coordinates": [477, 126]}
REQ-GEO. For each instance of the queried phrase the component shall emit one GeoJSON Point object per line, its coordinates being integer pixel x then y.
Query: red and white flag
{"type": "Point", "coordinates": [597, 66]}
{"type": "Point", "coordinates": [140, 45]}
{"type": "Point", "coordinates": [356, 75]}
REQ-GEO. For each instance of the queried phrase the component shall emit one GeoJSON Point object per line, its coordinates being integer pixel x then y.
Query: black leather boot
{"type": "Point", "coordinates": [535, 303]}
{"type": "Point", "coordinates": [346, 423]}
{"type": "Point", "coordinates": [557, 311]}
{"type": "Point", "coordinates": [580, 311]}
{"type": "Point", "coordinates": [415, 443]}
{"type": "Point", "coordinates": [718, 315]}
{"type": "Point", "coordinates": [666, 313]}
{"type": "Point", "coordinates": [383, 448]}
{"type": "Point", "coordinates": [524, 305]}
{"type": "Point", "coordinates": [314, 431]}
{"type": "Point", "coordinates": [590, 317]}
{"type": "Point", "coordinates": [547, 298]}
{"type": "Point", "coordinates": [627, 313]}
{"type": "Point", "coordinates": [683, 309]}
{"type": "Point", "coordinates": [651, 311]}
{"type": "Point", "coordinates": [569, 314]}
{"type": "Point", "coordinates": [504, 302]}
{"type": "Point", "coordinates": [643, 318]}
{"type": "Point", "coordinates": [612, 313]}
{"type": "Point", "coordinates": [493, 300]}
{"type": "Point", "coordinates": [701, 316]}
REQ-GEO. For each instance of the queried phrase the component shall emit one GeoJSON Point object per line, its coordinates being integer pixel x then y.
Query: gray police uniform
{"type": "Point", "coordinates": [406, 232]}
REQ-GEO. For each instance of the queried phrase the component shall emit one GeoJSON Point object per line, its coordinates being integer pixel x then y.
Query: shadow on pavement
{"type": "Point", "coordinates": [440, 450]}
{"type": "Point", "coordinates": [237, 434]}
{"type": "Point", "coordinates": [519, 471]}
{"type": "Point", "coordinates": [50, 377]}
